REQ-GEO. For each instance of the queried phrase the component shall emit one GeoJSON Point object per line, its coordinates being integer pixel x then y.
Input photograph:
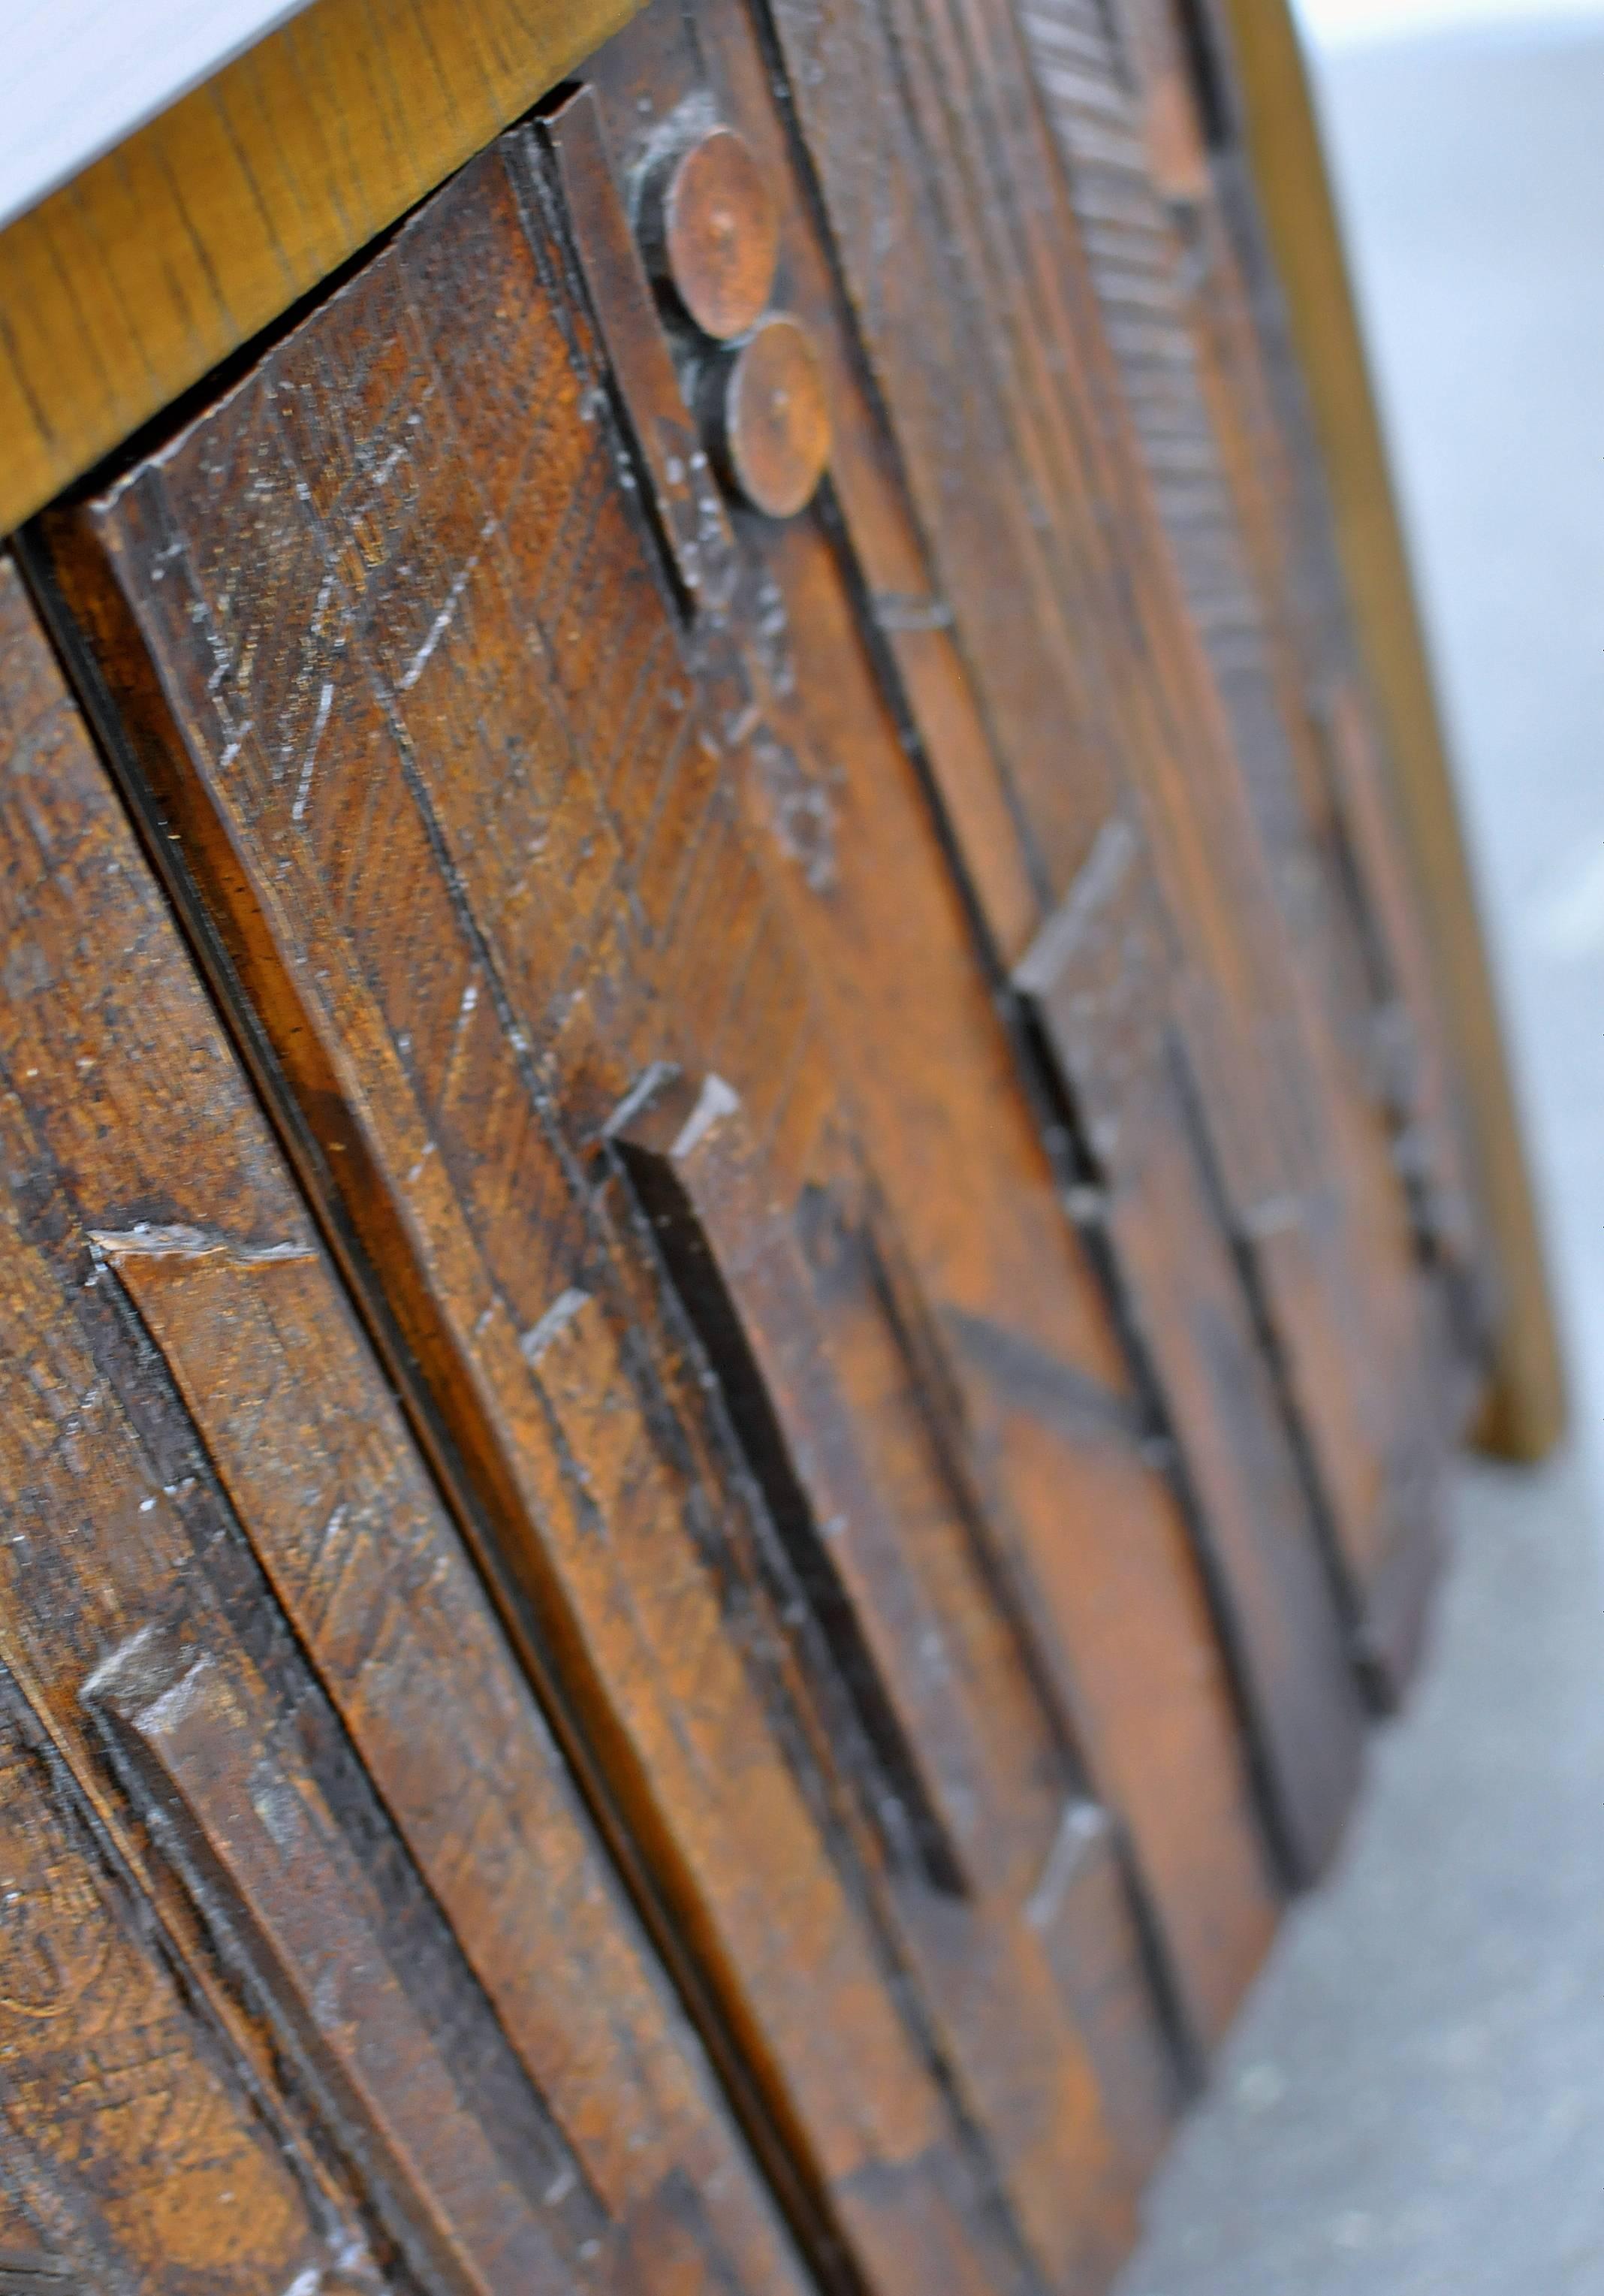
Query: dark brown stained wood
{"type": "Point", "coordinates": [125, 1125]}
{"type": "Point", "coordinates": [428, 1690]}
{"type": "Point", "coordinates": [1191, 364]}
{"type": "Point", "coordinates": [719, 232]}
{"type": "Point", "coordinates": [724, 1358]}
{"type": "Point", "coordinates": [404, 688]}
{"type": "Point", "coordinates": [134, 2160]}
{"type": "Point", "coordinates": [942, 1741]}
{"type": "Point", "coordinates": [1103, 982]}
{"type": "Point", "coordinates": [691, 1731]}
{"type": "Point", "coordinates": [1312, 1798]}
{"type": "Point", "coordinates": [1038, 1385]}
{"type": "Point", "coordinates": [797, 1324]}
{"type": "Point", "coordinates": [583, 1382]}
{"type": "Point", "coordinates": [1226, 479]}
{"type": "Point", "coordinates": [1258, 406]}
{"type": "Point", "coordinates": [1297, 1681]}
{"type": "Point", "coordinates": [775, 418]}
{"type": "Point", "coordinates": [960, 254]}
{"type": "Point", "coordinates": [743, 1284]}
{"type": "Point", "coordinates": [300, 1911]}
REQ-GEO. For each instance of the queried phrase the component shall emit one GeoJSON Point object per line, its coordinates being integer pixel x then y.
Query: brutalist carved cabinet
{"type": "Point", "coordinates": [743, 1247]}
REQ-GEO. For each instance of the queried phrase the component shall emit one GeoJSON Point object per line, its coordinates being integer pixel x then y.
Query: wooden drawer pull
{"type": "Point", "coordinates": [719, 234]}
{"type": "Point", "coordinates": [775, 418]}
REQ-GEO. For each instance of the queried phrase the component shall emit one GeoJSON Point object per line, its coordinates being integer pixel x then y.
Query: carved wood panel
{"type": "Point", "coordinates": [1069, 607]}
{"type": "Point", "coordinates": [563, 907]}
{"type": "Point", "coordinates": [702, 1248]}
{"type": "Point", "coordinates": [209, 1481]}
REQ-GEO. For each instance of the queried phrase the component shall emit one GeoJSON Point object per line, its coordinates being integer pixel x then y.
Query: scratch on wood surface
{"type": "Point", "coordinates": [147, 1240]}
{"type": "Point", "coordinates": [1083, 1824]}
{"type": "Point", "coordinates": [556, 1320]}
{"type": "Point", "coordinates": [326, 702]}
{"type": "Point", "coordinates": [443, 620]}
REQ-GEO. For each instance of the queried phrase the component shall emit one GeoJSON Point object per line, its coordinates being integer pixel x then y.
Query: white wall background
{"type": "Point", "coordinates": [1336, 22]}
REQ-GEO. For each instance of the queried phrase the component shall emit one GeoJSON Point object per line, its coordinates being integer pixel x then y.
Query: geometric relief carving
{"type": "Point", "coordinates": [54, 1940]}
{"type": "Point", "coordinates": [1102, 984]}
{"type": "Point", "coordinates": [387, 2041]}
{"type": "Point", "coordinates": [745, 1289]}
{"type": "Point", "coordinates": [123, 2138]}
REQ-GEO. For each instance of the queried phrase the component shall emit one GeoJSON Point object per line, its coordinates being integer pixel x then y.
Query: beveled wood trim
{"type": "Point", "coordinates": [125, 285]}
{"type": "Point", "coordinates": [1528, 1409]}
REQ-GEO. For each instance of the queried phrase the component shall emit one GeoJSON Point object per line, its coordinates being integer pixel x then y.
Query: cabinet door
{"type": "Point", "coordinates": [1146, 126]}
{"type": "Point", "coordinates": [314, 1971]}
{"type": "Point", "coordinates": [977, 310]}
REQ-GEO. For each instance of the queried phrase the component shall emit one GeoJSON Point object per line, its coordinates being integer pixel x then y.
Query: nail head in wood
{"type": "Point", "coordinates": [776, 418]}
{"type": "Point", "coordinates": [721, 233]}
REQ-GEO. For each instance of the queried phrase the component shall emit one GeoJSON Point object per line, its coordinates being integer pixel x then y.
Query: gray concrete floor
{"type": "Point", "coordinates": [1413, 2102]}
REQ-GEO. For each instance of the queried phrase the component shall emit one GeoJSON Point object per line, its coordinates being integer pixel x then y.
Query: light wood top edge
{"type": "Point", "coordinates": [122, 288]}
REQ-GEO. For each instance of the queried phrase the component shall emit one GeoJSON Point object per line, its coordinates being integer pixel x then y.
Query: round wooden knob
{"type": "Point", "coordinates": [776, 417]}
{"type": "Point", "coordinates": [721, 235]}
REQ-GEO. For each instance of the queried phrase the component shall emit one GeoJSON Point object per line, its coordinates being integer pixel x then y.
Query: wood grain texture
{"type": "Point", "coordinates": [130, 2150]}
{"type": "Point", "coordinates": [1232, 476]}
{"type": "Point", "coordinates": [1036, 1371]}
{"type": "Point", "coordinates": [1103, 982]}
{"type": "Point", "coordinates": [928, 726]}
{"type": "Point", "coordinates": [758, 1569]}
{"type": "Point", "coordinates": [742, 1280]}
{"type": "Point", "coordinates": [309, 1918]}
{"type": "Point", "coordinates": [422, 621]}
{"type": "Point", "coordinates": [1068, 609]}
{"type": "Point", "coordinates": [229, 1456]}
{"type": "Point", "coordinates": [1126, 108]}
{"type": "Point", "coordinates": [1282, 147]}
{"type": "Point", "coordinates": [1249, 516]}
{"type": "Point", "coordinates": [127, 284]}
